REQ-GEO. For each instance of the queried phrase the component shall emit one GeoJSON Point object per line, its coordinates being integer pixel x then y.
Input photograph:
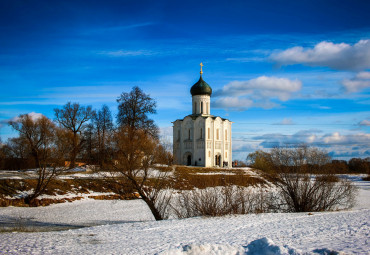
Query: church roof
{"type": "Point", "coordinates": [195, 116]}
{"type": "Point", "coordinates": [201, 88]}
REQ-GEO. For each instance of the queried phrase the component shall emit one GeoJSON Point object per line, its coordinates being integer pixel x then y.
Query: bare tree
{"type": "Point", "coordinates": [133, 110]}
{"type": "Point", "coordinates": [104, 127]}
{"type": "Point", "coordinates": [138, 149]}
{"type": "Point", "coordinates": [89, 149]}
{"type": "Point", "coordinates": [73, 118]}
{"type": "Point", "coordinates": [38, 134]}
{"type": "Point", "coordinates": [136, 154]}
{"type": "Point", "coordinates": [303, 186]}
{"type": "Point", "coordinates": [14, 148]}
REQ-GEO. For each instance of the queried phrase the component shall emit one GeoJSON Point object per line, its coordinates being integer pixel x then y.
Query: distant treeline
{"type": "Point", "coordinates": [317, 161]}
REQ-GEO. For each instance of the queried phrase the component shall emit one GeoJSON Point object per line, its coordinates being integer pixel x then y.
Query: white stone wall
{"type": "Point", "coordinates": [202, 147]}
{"type": "Point", "coordinates": [201, 104]}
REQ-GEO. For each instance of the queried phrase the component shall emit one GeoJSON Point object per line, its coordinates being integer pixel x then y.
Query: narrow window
{"type": "Point", "coordinates": [189, 134]}
{"type": "Point", "coordinates": [195, 108]}
{"type": "Point", "coordinates": [217, 136]}
{"type": "Point", "coordinates": [178, 135]}
{"type": "Point", "coordinates": [201, 133]}
{"type": "Point", "coordinates": [225, 135]}
{"type": "Point", "coordinates": [226, 154]}
{"type": "Point", "coordinates": [209, 133]}
{"type": "Point", "coordinates": [209, 153]}
{"type": "Point", "coordinates": [201, 107]}
{"type": "Point", "coordinates": [207, 108]}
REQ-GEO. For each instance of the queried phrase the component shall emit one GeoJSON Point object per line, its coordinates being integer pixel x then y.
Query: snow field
{"type": "Point", "coordinates": [127, 227]}
{"type": "Point", "coordinates": [346, 231]}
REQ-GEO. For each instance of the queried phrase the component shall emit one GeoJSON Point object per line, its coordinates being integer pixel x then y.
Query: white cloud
{"type": "Point", "coordinates": [359, 82]}
{"type": "Point", "coordinates": [355, 85]}
{"type": "Point", "coordinates": [256, 92]}
{"type": "Point", "coordinates": [33, 115]}
{"type": "Point", "coordinates": [353, 139]}
{"type": "Point", "coordinates": [341, 56]}
{"type": "Point", "coordinates": [334, 138]}
{"type": "Point", "coordinates": [232, 102]}
{"type": "Point", "coordinates": [277, 139]}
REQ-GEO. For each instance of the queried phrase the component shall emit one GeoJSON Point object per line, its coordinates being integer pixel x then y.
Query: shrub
{"type": "Point", "coordinates": [219, 201]}
{"type": "Point", "coordinates": [300, 191]}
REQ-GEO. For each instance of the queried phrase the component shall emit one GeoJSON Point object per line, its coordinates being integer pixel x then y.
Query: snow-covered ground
{"type": "Point", "coordinates": [127, 227]}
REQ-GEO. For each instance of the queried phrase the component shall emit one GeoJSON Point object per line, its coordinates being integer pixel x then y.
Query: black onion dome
{"type": "Point", "coordinates": [201, 88]}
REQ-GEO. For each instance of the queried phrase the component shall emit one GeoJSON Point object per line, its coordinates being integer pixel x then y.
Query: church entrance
{"type": "Point", "coordinates": [218, 160]}
{"type": "Point", "coordinates": [189, 160]}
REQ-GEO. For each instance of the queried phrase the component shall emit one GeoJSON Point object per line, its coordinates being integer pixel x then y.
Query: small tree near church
{"type": "Point", "coordinates": [137, 149]}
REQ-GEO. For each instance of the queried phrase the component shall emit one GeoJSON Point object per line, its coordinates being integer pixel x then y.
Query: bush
{"type": "Point", "coordinates": [300, 191]}
{"type": "Point", "coordinates": [219, 201]}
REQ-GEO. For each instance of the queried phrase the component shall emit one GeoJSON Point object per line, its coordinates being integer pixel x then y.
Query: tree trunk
{"type": "Point", "coordinates": [73, 152]}
{"type": "Point", "coordinates": [151, 206]}
{"type": "Point", "coordinates": [36, 158]}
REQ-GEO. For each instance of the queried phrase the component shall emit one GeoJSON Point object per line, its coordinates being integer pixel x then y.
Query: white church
{"type": "Point", "coordinates": [201, 139]}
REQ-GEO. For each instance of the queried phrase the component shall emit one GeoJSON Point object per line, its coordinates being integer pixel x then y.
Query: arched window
{"type": "Point", "coordinates": [209, 133]}
{"type": "Point", "coordinates": [225, 135]}
{"type": "Point", "coordinates": [217, 134]}
{"type": "Point", "coordinates": [201, 107]}
{"type": "Point", "coordinates": [209, 154]}
{"type": "Point", "coordinates": [207, 108]}
{"type": "Point", "coordinates": [189, 133]}
{"type": "Point", "coordinates": [195, 108]}
{"type": "Point", "coordinates": [226, 154]}
{"type": "Point", "coordinates": [201, 133]}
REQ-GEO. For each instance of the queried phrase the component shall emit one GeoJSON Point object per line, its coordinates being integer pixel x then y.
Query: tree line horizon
{"type": "Point", "coordinates": [84, 134]}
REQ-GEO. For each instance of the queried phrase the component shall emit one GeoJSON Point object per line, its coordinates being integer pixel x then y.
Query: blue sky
{"type": "Point", "coordinates": [285, 72]}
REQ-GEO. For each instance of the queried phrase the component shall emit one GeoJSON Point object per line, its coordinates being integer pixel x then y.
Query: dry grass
{"type": "Point", "coordinates": [178, 178]}
{"type": "Point", "coordinates": [186, 178]}
{"type": "Point", "coordinates": [58, 187]}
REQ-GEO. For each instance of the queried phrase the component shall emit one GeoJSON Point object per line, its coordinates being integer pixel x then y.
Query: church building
{"type": "Point", "coordinates": [201, 139]}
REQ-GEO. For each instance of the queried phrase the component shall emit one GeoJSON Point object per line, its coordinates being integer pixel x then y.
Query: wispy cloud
{"type": "Point", "coordinates": [247, 59]}
{"type": "Point", "coordinates": [128, 53]}
{"type": "Point", "coordinates": [341, 56]}
{"type": "Point", "coordinates": [115, 29]}
{"type": "Point", "coordinates": [285, 121]}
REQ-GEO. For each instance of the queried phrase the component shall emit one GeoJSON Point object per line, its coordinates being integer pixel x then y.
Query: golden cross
{"type": "Point", "coordinates": [201, 65]}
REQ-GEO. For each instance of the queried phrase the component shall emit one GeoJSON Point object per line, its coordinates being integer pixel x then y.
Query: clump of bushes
{"type": "Point", "coordinates": [291, 170]}
{"type": "Point", "coordinates": [219, 201]}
